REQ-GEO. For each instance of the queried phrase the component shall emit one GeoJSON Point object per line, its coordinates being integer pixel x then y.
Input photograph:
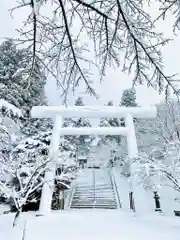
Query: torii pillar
{"type": "Point", "coordinates": [59, 112]}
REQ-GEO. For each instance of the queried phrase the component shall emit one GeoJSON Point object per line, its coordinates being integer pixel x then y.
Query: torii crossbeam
{"type": "Point", "coordinates": [57, 113]}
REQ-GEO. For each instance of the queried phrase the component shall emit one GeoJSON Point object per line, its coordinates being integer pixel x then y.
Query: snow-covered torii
{"type": "Point", "coordinates": [57, 113]}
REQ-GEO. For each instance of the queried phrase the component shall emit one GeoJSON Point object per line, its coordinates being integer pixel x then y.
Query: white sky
{"type": "Point", "coordinates": [115, 81]}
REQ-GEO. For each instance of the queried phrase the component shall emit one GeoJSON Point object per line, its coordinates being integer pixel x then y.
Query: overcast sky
{"type": "Point", "coordinates": [115, 81]}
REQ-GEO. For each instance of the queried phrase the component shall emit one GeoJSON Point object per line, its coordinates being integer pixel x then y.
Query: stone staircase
{"type": "Point", "coordinates": [94, 189]}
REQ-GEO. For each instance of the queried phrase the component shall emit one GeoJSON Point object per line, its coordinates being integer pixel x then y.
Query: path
{"type": "Point", "coordinates": [95, 189]}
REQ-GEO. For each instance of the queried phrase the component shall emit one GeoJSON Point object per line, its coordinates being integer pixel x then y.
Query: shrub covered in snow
{"type": "Point", "coordinates": [160, 168]}
{"type": "Point", "coordinates": [23, 173]}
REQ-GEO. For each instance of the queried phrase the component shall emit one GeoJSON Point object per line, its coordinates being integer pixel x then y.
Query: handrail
{"type": "Point", "coordinates": [94, 191]}
{"type": "Point", "coordinates": [111, 173]}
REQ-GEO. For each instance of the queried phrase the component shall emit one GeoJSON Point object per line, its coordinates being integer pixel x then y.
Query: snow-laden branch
{"type": "Point", "coordinates": [23, 175]}
{"type": "Point", "coordinates": [154, 172]}
{"type": "Point", "coordinates": [115, 29]}
{"type": "Point", "coordinates": [170, 6]}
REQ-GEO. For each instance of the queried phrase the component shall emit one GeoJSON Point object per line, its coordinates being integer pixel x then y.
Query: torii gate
{"type": "Point", "coordinates": [57, 113]}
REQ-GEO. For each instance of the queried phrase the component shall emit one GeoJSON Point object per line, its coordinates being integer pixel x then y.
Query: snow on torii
{"type": "Point", "coordinates": [57, 113]}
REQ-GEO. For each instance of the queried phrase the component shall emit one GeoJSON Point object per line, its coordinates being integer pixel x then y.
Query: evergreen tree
{"type": "Point", "coordinates": [37, 146]}
{"type": "Point", "coordinates": [81, 142]}
{"type": "Point", "coordinates": [21, 85]}
{"type": "Point", "coordinates": [9, 129]}
{"type": "Point", "coordinates": [79, 102]}
{"type": "Point", "coordinates": [110, 122]}
{"type": "Point", "coordinates": [128, 98]}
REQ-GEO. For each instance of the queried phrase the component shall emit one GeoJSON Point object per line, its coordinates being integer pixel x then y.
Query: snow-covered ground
{"type": "Point", "coordinates": [120, 224]}
{"type": "Point", "coordinates": [3, 208]}
{"type": "Point", "coordinates": [91, 224]}
{"type": "Point", "coordinates": [144, 200]}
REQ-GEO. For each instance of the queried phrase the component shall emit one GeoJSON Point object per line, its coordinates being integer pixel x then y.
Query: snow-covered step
{"type": "Point", "coordinates": [95, 206]}
{"type": "Point", "coordinates": [109, 190]}
{"type": "Point", "coordinates": [92, 200]}
{"type": "Point", "coordinates": [114, 205]}
{"type": "Point", "coordinates": [95, 203]}
{"type": "Point", "coordinates": [90, 196]}
{"type": "Point", "coordinates": [94, 189]}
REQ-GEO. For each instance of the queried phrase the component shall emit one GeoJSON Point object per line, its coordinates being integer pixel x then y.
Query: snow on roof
{"type": "Point", "coordinates": [9, 106]}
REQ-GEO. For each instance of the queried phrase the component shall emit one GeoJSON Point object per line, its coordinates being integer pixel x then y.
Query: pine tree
{"type": "Point", "coordinates": [81, 142]}
{"type": "Point", "coordinates": [79, 102]}
{"type": "Point", "coordinates": [9, 128]}
{"type": "Point", "coordinates": [128, 98]}
{"type": "Point", "coordinates": [20, 85]}
{"type": "Point", "coordinates": [110, 122]}
{"type": "Point", "coordinates": [20, 89]}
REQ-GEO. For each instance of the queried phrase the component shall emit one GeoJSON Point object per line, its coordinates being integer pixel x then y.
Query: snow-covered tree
{"type": "Point", "coordinates": [9, 134]}
{"type": "Point", "coordinates": [79, 102]}
{"type": "Point", "coordinates": [19, 88]}
{"type": "Point", "coordinates": [37, 146]}
{"type": "Point", "coordinates": [146, 171]}
{"type": "Point", "coordinates": [9, 129]}
{"type": "Point", "coordinates": [30, 126]}
{"type": "Point", "coordinates": [166, 7]}
{"type": "Point", "coordinates": [156, 138]}
{"type": "Point", "coordinates": [159, 168]}
{"type": "Point", "coordinates": [112, 27]}
{"type": "Point", "coordinates": [110, 122]}
{"type": "Point", "coordinates": [163, 129]}
{"type": "Point", "coordinates": [17, 98]}
{"type": "Point", "coordinates": [128, 98]}
{"type": "Point", "coordinates": [80, 142]}
{"type": "Point", "coordinates": [25, 157]}
{"type": "Point", "coordinates": [22, 183]}
{"type": "Point", "coordinates": [169, 120]}
{"type": "Point", "coordinates": [22, 176]}
{"type": "Point", "coordinates": [15, 85]}
{"type": "Point", "coordinates": [148, 135]}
